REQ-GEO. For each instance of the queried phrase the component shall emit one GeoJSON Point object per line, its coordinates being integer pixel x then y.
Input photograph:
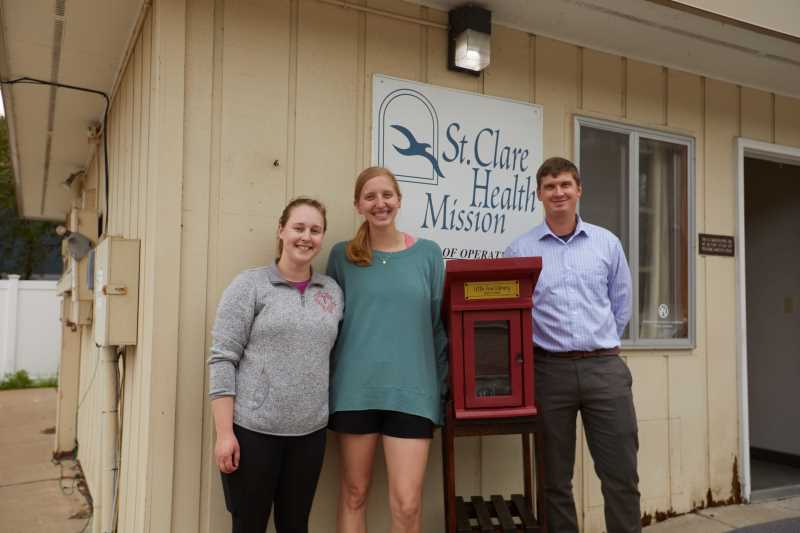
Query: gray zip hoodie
{"type": "Point", "coordinates": [271, 348]}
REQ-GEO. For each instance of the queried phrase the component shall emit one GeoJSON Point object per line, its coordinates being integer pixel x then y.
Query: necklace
{"type": "Point", "coordinates": [383, 257]}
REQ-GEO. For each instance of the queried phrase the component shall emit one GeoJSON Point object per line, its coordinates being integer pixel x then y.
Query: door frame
{"type": "Point", "coordinates": [776, 153]}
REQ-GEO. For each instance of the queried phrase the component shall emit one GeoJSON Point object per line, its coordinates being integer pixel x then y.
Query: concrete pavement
{"type": "Point", "coordinates": [36, 494]}
{"type": "Point", "coordinates": [728, 518]}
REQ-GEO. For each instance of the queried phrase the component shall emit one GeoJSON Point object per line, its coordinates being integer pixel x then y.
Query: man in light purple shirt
{"type": "Point", "coordinates": [581, 306]}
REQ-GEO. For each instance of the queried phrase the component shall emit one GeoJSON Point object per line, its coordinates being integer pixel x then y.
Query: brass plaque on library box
{"type": "Point", "coordinates": [491, 290]}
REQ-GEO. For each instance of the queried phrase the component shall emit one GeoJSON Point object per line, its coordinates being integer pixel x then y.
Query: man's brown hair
{"type": "Point", "coordinates": [555, 166]}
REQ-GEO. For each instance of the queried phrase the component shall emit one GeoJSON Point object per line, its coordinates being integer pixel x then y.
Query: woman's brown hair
{"type": "Point", "coordinates": [287, 212]}
{"type": "Point", "coordinates": [359, 249]}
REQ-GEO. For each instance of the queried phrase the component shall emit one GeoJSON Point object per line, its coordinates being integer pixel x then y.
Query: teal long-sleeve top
{"type": "Point", "coordinates": [391, 353]}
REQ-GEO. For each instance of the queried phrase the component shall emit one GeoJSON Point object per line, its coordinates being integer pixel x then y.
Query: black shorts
{"type": "Point", "coordinates": [391, 423]}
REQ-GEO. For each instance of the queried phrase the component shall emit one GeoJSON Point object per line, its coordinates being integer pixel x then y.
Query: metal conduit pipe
{"type": "Point", "coordinates": [109, 355]}
{"type": "Point", "coordinates": [108, 439]}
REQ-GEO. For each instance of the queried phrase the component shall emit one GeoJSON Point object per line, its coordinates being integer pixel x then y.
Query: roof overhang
{"type": "Point", "coordinates": [666, 33]}
{"type": "Point", "coordinates": [779, 16]}
{"type": "Point", "coordinates": [81, 43]}
{"type": "Point", "coordinates": [85, 42]}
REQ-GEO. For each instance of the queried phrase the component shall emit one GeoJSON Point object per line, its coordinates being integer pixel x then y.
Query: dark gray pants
{"type": "Point", "coordinates": [600, 388]}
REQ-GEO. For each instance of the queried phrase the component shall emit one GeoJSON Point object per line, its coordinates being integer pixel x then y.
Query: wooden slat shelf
{"type": "Point", "coordinates": [497, 514]}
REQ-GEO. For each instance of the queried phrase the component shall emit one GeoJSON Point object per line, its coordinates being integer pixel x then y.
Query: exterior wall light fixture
{"type": "Point", "coordinates": [469, 45]}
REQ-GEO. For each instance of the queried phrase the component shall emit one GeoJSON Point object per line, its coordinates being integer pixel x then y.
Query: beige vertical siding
{"type": "Point", "coordinates": [143, 141]}
{"type": "Point", "coordinates": [132, 483]}
{"type": "Point", "coordinates": [602, 83]}
{"type": "Point", "coordinates": [787, 121]}
{"type": "Point", "coordinates": [326, 57]}
{"type": "Point", "coordinates": [229, 108]}
{"type": "Point", "coordinates": [688, 399]}
{"type": "Point", "coordinates": [756, 114]}
{"type": "Point", "coordinates": [316, 96]}
{"type": "Point", "coordinates": [126, 217]}
{"type": "Point", "coordinates": [645, 104]}
{"type": "Point", "coordinates": [197, 160]}
{"type": "Point", "coordinates": [722, 126]}
{"type": "Point", "coordinates": [646, 89]}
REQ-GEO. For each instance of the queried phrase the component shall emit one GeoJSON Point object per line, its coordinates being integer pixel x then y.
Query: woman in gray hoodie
{"type": "Point", "coordinates": [268, 378]}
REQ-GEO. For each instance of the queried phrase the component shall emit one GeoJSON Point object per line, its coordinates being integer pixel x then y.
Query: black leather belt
{"type": "Point", "coordinates": [576, 354]}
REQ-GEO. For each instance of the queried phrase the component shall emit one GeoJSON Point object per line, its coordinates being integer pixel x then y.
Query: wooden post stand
{"type": "Point", "coordinates": [512, 515]}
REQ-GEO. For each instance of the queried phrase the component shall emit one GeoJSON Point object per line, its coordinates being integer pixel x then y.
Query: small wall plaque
{"type": "Point", "coordinates": [717, 245]}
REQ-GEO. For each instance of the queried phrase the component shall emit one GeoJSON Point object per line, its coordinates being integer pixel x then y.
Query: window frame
{"type": "Point", "coordinates": [635, 133]}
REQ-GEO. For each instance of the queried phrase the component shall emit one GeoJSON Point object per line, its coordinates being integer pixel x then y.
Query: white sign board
{"type": "Point", "coordinates": [466, 164]}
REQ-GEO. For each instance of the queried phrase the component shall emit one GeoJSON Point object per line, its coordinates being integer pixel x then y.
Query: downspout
{"type": "Point", "coordinates": [109, 358]}
{"type": "Point", "coordinates": [110, 354]}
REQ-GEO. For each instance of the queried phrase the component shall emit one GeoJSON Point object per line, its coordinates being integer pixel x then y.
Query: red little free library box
{"type": "Point", "coordinates": [487, 305]}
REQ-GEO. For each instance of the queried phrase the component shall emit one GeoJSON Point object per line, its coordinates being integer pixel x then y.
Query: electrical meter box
{"type": "Point", "coordinates": [116, 292]}
{"type": "Point", "coordinates": [83, 221]}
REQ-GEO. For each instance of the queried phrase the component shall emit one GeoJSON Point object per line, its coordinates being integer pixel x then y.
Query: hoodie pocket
{"type": "Point", "coordinates": [253, 387]}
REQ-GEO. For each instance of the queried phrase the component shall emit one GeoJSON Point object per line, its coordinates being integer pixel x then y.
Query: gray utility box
{"type": "Point", "coordinates": [116, 292]}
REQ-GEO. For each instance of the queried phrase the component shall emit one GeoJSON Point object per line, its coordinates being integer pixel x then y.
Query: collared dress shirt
{"type": "Point", "coordinates": [582, 301]}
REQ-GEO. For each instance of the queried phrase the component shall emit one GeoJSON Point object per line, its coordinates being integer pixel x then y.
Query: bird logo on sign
{"type": "Point", "coordinates": [416, 148]}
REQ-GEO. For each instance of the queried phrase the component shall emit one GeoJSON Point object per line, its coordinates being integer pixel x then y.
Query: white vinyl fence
{"type": "Point", "coordinates": [30, 331]}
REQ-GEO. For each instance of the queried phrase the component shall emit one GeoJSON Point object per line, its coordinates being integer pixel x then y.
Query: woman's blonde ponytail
{"type": "Point", "coordinates": [359, 250]}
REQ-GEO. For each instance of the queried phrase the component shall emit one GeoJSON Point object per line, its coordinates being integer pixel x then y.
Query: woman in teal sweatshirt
{"type": "Point", "coordinates": [390, 360]}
